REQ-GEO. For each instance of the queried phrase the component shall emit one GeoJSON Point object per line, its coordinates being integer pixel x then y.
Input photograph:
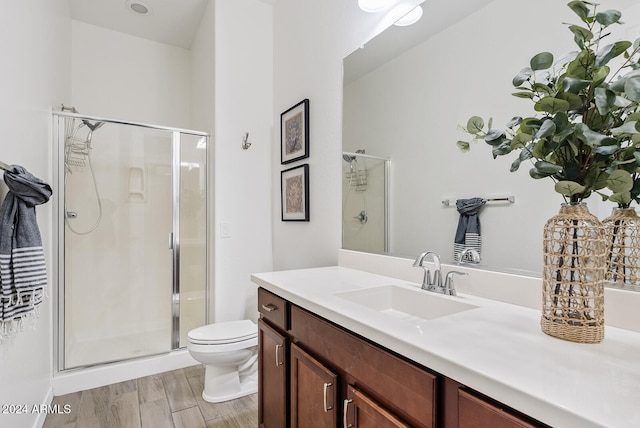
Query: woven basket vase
{"type": "Point", "coordinates": [573, 276]}
{"type": "Point", "coordinates": [622, 239]}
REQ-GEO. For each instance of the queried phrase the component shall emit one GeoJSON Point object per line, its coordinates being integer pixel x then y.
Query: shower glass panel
{"type": "Point", "coordinates": [130, 195]}
{"type": "Point", "coordinates": [365, 202]}
{"type": "Point", "coordinates": [193, 244]}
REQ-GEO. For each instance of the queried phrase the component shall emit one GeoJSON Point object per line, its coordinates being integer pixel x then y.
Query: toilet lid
{"type": "Point", "coordinates": [224, 332]}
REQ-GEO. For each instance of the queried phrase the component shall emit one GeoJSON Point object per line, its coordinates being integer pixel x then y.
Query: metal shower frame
{"type": "Point", "coordinates": [58, 128]}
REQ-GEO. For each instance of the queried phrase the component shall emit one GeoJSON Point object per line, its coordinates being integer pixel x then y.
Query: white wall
{"type": "Point", "coordinates": [243, 103]}
{"type": "Point", "coordinates": [115, 75]}
{"type": "Point", "coordinates": [310, 40]}
{"type": "Point", "coordinates": [35, 38]}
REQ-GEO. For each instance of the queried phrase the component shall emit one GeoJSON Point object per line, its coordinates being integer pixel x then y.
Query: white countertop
{"type": "Point", "coordinates": [497, 349]}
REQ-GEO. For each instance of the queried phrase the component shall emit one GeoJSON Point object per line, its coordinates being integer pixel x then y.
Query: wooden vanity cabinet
{"type": "Point", "coordinates": [315, 373]}
{"type": "Point", "coordinates": [273, 361]}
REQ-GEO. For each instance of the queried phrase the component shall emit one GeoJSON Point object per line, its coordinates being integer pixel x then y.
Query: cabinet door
{"type": "Point", "coordinates": [363, 412]}
{"type": "Point", "coordinates": [272, 377]}
{"type": "Point", "coordinates": [314, 392]}
{"type": "Point", "coordinates": [474, 412]}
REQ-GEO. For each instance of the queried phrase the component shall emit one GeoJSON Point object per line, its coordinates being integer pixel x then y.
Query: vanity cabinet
{"type": "Point", "coordinates": [316, 373]}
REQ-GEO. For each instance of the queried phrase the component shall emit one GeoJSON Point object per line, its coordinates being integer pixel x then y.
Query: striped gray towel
{"type": "Point", "coordinates": [468, 232]}
{"type": "Point", "coordinates": [23, 274]}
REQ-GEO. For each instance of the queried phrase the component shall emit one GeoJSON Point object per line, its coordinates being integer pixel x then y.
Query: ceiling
{"type": "Point", "coordinates": [173, 22]}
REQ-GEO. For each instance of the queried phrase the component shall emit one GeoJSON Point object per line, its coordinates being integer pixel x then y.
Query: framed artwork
{"type": "Point", "coordinates": [294, 186]}
{"type": "Point", "coordinates": [294, 133]}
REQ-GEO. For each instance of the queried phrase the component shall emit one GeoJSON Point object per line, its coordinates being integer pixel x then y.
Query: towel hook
{"type": "Point", "coordinates": [245, 141]}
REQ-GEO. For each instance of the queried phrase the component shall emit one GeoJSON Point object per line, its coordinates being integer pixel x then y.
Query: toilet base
{"type": "Point", "coordinates": [247, 388]}
{"type": "Point", "coordinates": [230, 382]}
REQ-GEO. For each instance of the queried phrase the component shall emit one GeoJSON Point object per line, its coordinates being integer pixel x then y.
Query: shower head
{"type": "Point", "coordinates": [348, 158]}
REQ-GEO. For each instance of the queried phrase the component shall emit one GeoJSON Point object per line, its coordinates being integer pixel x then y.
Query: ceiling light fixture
{"type": "Point", "coordinates": [374, 5]}
{"type": "Point", "coordinates": [410, 18]}
{"type": "Point", "coordinates": [138, 7]}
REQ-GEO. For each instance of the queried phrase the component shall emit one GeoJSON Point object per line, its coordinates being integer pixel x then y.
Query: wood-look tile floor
{"type": "Point", "coordinates": [166, 400]}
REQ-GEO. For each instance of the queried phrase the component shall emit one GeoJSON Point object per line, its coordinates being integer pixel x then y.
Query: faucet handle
{"type": "Point", "coordinates": [448, 282]}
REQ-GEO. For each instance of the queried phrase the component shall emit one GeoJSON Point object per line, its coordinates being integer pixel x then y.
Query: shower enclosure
{"type": "Point", "coordinates": [131, 212]}
{"type": "Point", "coordinates": [365, 194]}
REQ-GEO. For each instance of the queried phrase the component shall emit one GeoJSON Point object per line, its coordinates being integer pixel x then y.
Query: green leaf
{"type": "Point", "coordinates": [590, 137]}
{"type": "Point", "coordinates": [626, 128]}
{"type": "Point", "coordinates": [573, 85]}
{"type": "Point", "coordinates": [581, 33]}
{"type": "Point", "coordinates": [606, 53]}
{"type": "Point", "coordinates": [600, 75]}
{"type": "Point", "coordinates": [464, 146]}
{"type": "Point", "coordinates": [547, 129]}
{"type": "Point", "coordinates": [620, 181]}
{"type": "Point", "coordinates": [552, 105]}
{"type": "Point", "coordinates": [515, 121]}
{"type": "Point", "coordinates": [569, 188]}
{"type": "Point", "coordinates": [579, 67]}
{"type": "Point", "coordinates": [575, 102]}
{"type": "Point", "coordinates": [632, 88]}
{"type": "Point", "coordinates": [494, 137]}
{"type": "Point", "coordinates": [547, 168]}
{"type": "Point", "coordinates": [607, 150]}
{"type": "Point", "coordinates": [608, 17]}
{"type": "Point", "coordinates": [520, 141]}
{"type": "Point", "coordinates": [502, 149]}
{"type": "Point", "coordinates": [581, 9]}
{"type": "Point", "coordinates": [605, 100]}
{"type": "Point", "coordinates": [475, 125]}
{"type": "Point", "coordinates": [529, 95]}
{"type": "Point", "coordinates": [622, 198]}
{"type": "Point", "coordinates": [522, 76]}
{"type": "Point", "coordinates": [515, 165]}
{"type": "Point", "coordinates": [541, 61]}
{"type": "Point", "coordinates": [542, 88]}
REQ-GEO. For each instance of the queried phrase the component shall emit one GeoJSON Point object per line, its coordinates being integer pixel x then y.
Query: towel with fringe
{"type": "Point", "coordinates": [468, 232]}
{"type": "Point", "coordinates": [23, 273]}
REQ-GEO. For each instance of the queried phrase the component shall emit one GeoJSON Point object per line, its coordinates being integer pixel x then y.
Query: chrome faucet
{"type": "Point", "coordinates": [429, 283]}
{"type": "Point", "coordinates": [435, 284]}
{"type": "Point", "coordinates": [475, 255]}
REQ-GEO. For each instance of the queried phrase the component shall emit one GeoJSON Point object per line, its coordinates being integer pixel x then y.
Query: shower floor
{"type": "Point", "coordinates": [103, 350]}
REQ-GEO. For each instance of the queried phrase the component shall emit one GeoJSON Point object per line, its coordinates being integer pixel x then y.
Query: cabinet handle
{"type": "Point", "coordinates": [345, 423]}
{"type": "Point", "coordinates": [278, 363]}
{"type": "Point", "coordinates": [326, 385]}
{"type": "Point", "coordinates": [270, 307]}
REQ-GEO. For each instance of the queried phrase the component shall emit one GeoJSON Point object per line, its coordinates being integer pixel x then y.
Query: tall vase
{"type": "Point", "coordinates": [573, 276]}
{"type": "Point", "coordinates": [622, 239]}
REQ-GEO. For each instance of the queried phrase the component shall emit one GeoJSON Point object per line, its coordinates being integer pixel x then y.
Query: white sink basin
{"type": "Point", "coordinates": [409, 304]}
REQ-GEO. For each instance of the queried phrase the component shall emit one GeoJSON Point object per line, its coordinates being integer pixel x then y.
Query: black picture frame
{"type": "Point", "coordinates": [294, 191]}
{"type": "Point", "coordinates": [294, 133]}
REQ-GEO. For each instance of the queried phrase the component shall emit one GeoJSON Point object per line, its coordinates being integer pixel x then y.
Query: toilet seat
{"type": "Point", "coordinates": [224, 333]}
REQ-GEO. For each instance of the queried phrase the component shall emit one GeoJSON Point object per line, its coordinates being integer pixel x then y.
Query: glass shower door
{"type": "Point", "coordinates": [118, 260]}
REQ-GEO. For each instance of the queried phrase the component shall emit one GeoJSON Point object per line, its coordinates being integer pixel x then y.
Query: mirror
{"type": "Point", "coordinates": [408, 90]}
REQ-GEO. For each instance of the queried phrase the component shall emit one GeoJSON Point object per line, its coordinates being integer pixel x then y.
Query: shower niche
{"type": "Point", "coordinates": [131, 211]}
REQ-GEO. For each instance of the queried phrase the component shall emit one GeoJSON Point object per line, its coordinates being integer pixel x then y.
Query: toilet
{"type": "Point", "coordinates": [229, 352]}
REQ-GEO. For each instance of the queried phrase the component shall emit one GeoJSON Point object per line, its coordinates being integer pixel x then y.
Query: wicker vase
{"type": "Point", "coordinates": [573, 276]}
{"type": "Point", "coordinates": [622, 238]}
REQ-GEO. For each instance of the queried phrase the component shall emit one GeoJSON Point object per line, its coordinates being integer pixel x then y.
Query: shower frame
{"type": "Point", "coordinates": [59, 137]}
{"type": "Point", "coordinates": [387, 174]}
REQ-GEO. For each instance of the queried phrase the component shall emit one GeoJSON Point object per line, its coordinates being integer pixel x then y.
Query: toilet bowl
{"type": "Point", "coordinates": [229, 352]}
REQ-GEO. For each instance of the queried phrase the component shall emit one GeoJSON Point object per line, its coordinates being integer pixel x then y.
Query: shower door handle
{"type": "Point", "coordinates": [171, 240]}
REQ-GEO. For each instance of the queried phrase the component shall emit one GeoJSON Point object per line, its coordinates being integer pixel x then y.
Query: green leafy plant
{"type": "Point", "coordinates": [585, 132]}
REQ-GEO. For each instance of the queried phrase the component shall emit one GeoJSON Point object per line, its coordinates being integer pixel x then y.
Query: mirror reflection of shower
{"type": "Point", "coordinates": [364, 202]}
{"type": "Point", "coordinates": [77, 160]}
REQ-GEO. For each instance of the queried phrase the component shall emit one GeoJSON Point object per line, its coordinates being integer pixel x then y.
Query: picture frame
{"type": "Point", "coordinates": [294, 133]}
{"type": "Point", "coordinates": [294, 189]}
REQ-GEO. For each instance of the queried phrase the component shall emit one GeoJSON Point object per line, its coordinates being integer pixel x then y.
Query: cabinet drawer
{"type": "Point", "coordinates": [475, 412]}
{"type": "Point", "coordinates": [273, 308]}
{"type": "Point", "coordinates": [405, 389]}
